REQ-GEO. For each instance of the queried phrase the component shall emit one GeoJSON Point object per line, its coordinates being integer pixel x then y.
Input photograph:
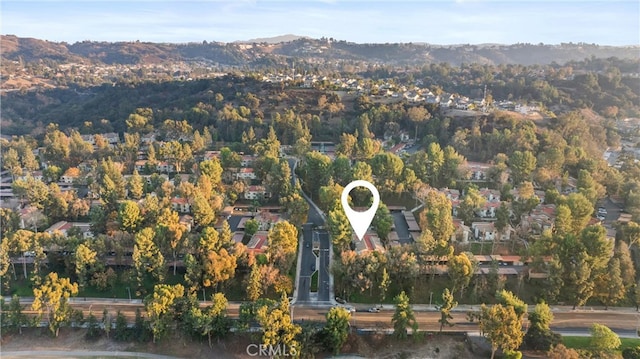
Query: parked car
{"type": "Point", "coordinates": [349, 308]}
{"type": "Point", "coordinates": [340, 300]}
{"type": "Point", "coordinates": [313, 267]}
{"type": "Point", "coordinates": [374, 310]}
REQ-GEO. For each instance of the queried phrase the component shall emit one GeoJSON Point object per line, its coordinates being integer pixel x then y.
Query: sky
{"type": "Point", "coordinates": [613, 22]}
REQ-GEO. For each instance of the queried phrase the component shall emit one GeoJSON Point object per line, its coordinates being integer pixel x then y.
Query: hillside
{"type": "Point", "coordinates": [273, 50]}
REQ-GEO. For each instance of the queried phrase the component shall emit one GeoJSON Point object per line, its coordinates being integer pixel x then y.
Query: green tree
{"type": "Point", "coordinates": [522, 165]}
{"type": "Point", "coordinates": [418, 115]}
{"type": "Point", "coordinates": [212, 321]}
{"type": "Point", "coordinates": [121, 333]}
{"type": "Point", "coordinates": [445, 309]}
{"type": "Point", "coordinates": [460, 270]}
{"type": "Point", "coordinates": [587, 186]}
{"type": "Point", "coordinates": [347, 146]}
{"type": "Point", "coordinates": [563, 222]}
{"type": "Point", "coordinates": [212, 169]}
{"type": "Point", "coordinates": [508, 299]}
{"type": "Point", "coordinates": [13, 316]}
{"type": "Point", "coordinates": [203, 214]}
{"type": "Point", "coordinates": [539, 336]}
{"type": "Point", "coordinates": [218, 267]}
{"type": "Point", "coordinates": [471, 202]}
{"type": "Point", "coordinates": [341, 170]}
{"type": "Point", "coordinates": [9, 221]}
{"type": "Point", "coordinates": [437, 216]}
{"type": "Point", "coordinates": [11, 162]}
{"type": "Point", "coordinates": [170, 233]}
{"type": "Point", "coordinates": [85, 260]}
{"type": "Point", "coordinates": [336, 331]}
{"type": "Point", "coordinates": [52, 299]}
{"type": "Point", "coordinates": [129, 216]}
{"type": "Point", "coordinates": [581, 210]}
{"type": "Point", "coordinates": [251, 227]}
{"type": "Point", "coordinates": [609, 287]}
{"type": "Point", "coordinates": [603, 339]}
{"type": "Point", "coordinates": [147, 259]}
{"type": "Point", "coordinates": [340, 228]}
{"type": "Point", "coordinates": [31, 189]}
{"type": "Point", "coordinates": [283, 245]}
{"type": "Point", "coordinates": [277, 325]}
{"type": "Point", "coordinates": [254, 283]}
{"type": "Point", "coordinates": [387, 169]}
{"type": "Point", "coordinates": [160, 306]}
{"type": "Point", "coordinates": [315, 172]}
{"type": "Point", "coordinates": [136, 185]}
{"type": "Point", "coordinates": [385, 281]}
{"type": "Point", "coordinates": [502, 327]}
{"type": "Point", "coordinates": [382, 222]}
{"type": "Point", "coordinates": [93, 327]}
{"type": "Point", "coordinates": [297, 207]}
{"type": "Point", "coordinates": [403, 316]}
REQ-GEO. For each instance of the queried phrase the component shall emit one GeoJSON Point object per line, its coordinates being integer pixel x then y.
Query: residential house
{"type": "Point", "coordinates": [31, 217]}
{"type": "Point", "coordinates": [478, 171]}
{"type": "Point", "coordinates": [266, 220]}
{"type": "Point", "coordinates": [165, 167]}
{"type": "Point", "coordinates": [258, 242]}
{"type": "Point", "coordinates": [256, 192]}
{"type": "Point", "coordinates": [247, 160]}
{"type": "Point", "coordinates": [246, 174]}
{"type": "Point", "coordinates": [486, 231]}
{"type": "Point", "coordinates": [540, 219]}
{"type": "Point", "coordinates": [70, 175]}
{"type": "Point", "coordinates": [111, 137]}
{"type": "Point", "coordinates": [148, 138]}
{"type": "Point", "coordinates": [461, 233]}
{"type": "Point", "coordinates": [89, 139]}
{"type": "Point", "coordinates": [369, 243]}
{"type": "Point", "coordinates": [180, 205]}
{"type": "Point", "coordinates": [140, 165]}
{"type": "Point", "coordinates": [63, 227]}
{"type": "Point", "coordinates": [187, 221]}
{"type": "Point", "coordinates": [209, 155]}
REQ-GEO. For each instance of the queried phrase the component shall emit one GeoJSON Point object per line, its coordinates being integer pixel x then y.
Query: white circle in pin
{"type": "Point", "coordinates": [360, 221]}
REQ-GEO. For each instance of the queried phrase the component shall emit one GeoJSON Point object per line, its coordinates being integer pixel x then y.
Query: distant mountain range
{"type": "Point", "coordinates": [272, 40]}
{"type": "Point", "coordinates": [277, 50]}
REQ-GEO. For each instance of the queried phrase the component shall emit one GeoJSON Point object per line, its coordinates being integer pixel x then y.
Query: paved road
{"type": "Point", "coordinates": [324, 290]}
{"type": "Point", "coordinates": [624, 321]}
{"type": "Point", "coordinates": [308, 261]}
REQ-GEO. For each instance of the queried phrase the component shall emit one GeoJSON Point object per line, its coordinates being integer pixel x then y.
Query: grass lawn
{"type": "Point", "coordinates": [425, 289]}
{"type": "Point", "coordinates": [479, 248]}
{"type": "Point", "coordinates": [314, 281]}
{"type": "Point", "coordinates": [583, 342]}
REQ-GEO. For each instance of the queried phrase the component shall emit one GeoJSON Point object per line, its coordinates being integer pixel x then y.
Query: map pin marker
{"type": "Point", "coordinates": [360, 221]}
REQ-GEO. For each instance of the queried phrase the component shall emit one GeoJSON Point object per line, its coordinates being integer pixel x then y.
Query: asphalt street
{"type": "Point", "coordinates": [324, 291]}
{"type": "Point", "coordinates": [308, 264]}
